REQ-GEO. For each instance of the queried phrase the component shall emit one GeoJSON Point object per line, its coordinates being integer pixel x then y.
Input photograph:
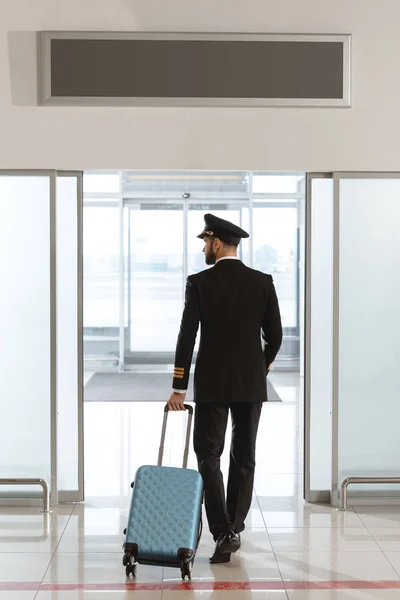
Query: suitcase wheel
{"type": "Point", "coordinates": [186, 570]}
{"type": "Point", "coordinates": [132, 484]}
{"type": "Point", "coordinates": [125, 531]}
{"type": "Point", "coordinates": [130, 570]}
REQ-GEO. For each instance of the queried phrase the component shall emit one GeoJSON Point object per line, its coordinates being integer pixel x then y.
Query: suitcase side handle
{"type": "Point", "coordinates": [189, 409]}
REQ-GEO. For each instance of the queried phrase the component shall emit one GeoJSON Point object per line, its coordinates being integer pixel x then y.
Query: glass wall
{"type": "Point", "coordinates": [26, 392]}
{"type": "Point", "coordinates": [40, 323]}
{"type": "Point", "coordinates": [369, 329]}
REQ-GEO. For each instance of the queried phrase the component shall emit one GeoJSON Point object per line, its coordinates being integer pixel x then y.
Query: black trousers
{"type": "Point", "coordinates": [209, 439]}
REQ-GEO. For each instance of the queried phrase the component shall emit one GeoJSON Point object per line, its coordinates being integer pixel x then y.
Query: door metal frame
{"type": "Point", "coordinates": [309, 495]}
{"type": "Point", "coordinates": [79, 494]}
{"type": "Point", "coordinates": [121, 276]}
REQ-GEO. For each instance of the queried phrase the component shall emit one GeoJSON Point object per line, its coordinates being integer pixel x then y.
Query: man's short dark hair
{"type": "Point", "coordinates": [230, 245]}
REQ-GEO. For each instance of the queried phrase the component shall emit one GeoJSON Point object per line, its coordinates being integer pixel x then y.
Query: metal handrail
{"type": "Point", "coordinates": [31, 481]}
{"type": "Point", "coordinates": [361, 480]}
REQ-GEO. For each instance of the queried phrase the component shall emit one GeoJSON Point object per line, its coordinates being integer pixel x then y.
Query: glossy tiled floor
{"type": "Point", "coordinates": [290, 549]}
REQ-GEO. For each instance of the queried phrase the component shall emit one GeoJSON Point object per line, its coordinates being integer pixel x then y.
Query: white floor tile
{"type": "Point", "coordinates": [27, 513]}
{"type": "Point", "coordinates": [394, 558]}
{"type": "Point", "coordinates": [255, 541]}
{"type": "Point", "coordinates": [243, 566]}
{"type": "Point", "coordinates": [335, 566]}
{"type": "Point", "coordinates": [95, 568]}
{"type": "Point", "coordinates": [310, 516]}
{"type": "Point", "coordinates": [11, 595]}
{"type": "Point", "coordinates": [34, 523]}
{"type": "Point", "coordinates": [98, 521]}
{"type": "Point", "coordinates": [16, 541]}
{"type": "Point", "coordinates": [343, 594]}
{"type": "Point", "coordinates": [16, 567]}
{"type": "Point", "coordinates": [387, 538]}
{"type": "Point", "coordinates": [81, 541]}
{"type": "Point", "coordinates": [226, 595]}
{"type": "Point", "coordinates": [377, 517]}
{"type": "Point", "coordinates": [99, 595]}
{"type": "Point", "coordinates": [322, 539]}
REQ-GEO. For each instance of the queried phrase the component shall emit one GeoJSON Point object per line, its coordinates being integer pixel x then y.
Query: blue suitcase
{"type": "Point", "coordinates": [164, 524]}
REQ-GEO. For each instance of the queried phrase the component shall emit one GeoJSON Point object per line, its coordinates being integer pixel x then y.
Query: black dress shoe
{"type": "Point", "coordinates": [226, 544]}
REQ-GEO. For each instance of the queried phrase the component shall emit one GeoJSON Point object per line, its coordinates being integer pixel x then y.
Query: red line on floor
{"type": "Point", "coordinates": [204, 586]}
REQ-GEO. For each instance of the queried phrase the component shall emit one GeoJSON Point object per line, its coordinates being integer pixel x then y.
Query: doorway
{"type": "Point", "coordinates": [141, 245]}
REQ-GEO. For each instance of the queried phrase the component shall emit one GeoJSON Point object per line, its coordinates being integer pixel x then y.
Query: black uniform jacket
{"type": "Point", "coordinates": [234, 305]}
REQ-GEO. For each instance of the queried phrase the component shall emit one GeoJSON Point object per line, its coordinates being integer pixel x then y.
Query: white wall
{"type": "Point", "coordinates": [362, 138]}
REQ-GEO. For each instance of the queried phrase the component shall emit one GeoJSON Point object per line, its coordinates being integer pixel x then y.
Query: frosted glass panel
{"type": "Point", "coordinates": [369, 328]}
{"type": "Point", "coordinates": [25, 328]}
{"type": "Point", "coordinates": [67, 333]}
{"type": "Point", "coordinates": [321, 334]}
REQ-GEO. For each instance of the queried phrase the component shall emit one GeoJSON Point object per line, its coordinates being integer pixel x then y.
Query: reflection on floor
{"type": "Point", "coordinates": [133, 430]}
{"type": "Point", "coordinates": [290, 549]}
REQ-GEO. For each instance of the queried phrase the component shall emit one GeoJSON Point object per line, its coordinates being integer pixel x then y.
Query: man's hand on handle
{"type": "Point", "coordinates": [176, 401]}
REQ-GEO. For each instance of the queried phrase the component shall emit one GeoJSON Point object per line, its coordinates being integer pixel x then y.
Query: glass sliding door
{"type": "Point", "coordinates": [69, 337]}
{"type": "Point", "coordinates": [275, 251]}
{"type": "Point", "coordinates": [27, 324]}
{"type": "Point", "coordinates": [278, 202]}
{"type": "Point", "coordinates": [161, 251]}
{"type": "Point", "coordinates": [101, 235]}
{"type": "Point", "coordinates": [101, 270]}
{"type": "Point", "coordinates": [154, 272]}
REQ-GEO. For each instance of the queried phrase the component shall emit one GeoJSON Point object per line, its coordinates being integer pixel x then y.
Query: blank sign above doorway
{"type": "Point", "coordinates": [165, 69]}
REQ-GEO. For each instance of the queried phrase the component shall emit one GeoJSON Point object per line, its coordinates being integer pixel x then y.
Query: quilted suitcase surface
{"type": "Point", "coordinates": [164, 524]}
{"type": "Point", "coordinates": [165, 514]}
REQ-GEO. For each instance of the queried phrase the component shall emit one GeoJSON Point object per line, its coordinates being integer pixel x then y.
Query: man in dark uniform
{"type": "Point", "coordinates": [234, 305]}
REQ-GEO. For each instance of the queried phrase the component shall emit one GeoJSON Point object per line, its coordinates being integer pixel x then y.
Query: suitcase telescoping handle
{"type": "Point", "coordinates": [187, 441]}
